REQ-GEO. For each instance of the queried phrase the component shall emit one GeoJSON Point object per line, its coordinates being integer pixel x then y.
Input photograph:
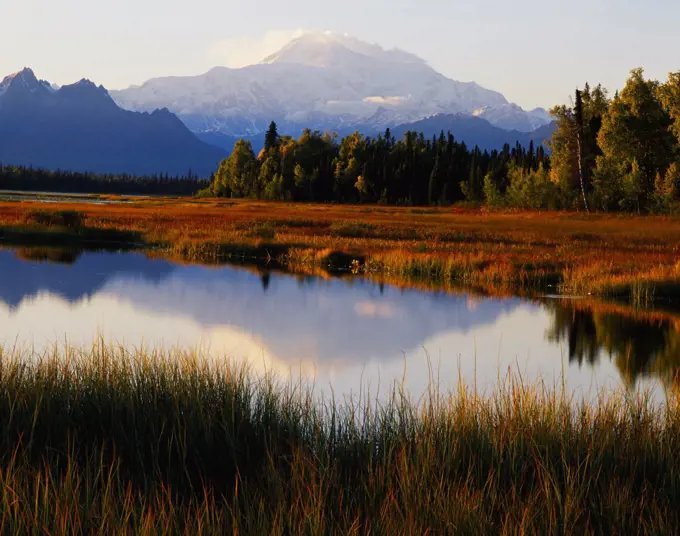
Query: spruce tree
{"type": "Point", "coordinates": [433, 183]}
{"type": "Point", "coordinates": [271, 138]}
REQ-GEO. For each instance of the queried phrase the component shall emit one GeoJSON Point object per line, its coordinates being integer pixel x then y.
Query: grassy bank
{"type": "Point", "coordinates": [636, 258]}
{"type": "Point", "coordinates": [64, 228]}
{"type": "Point", "coordinates": [110, 442]}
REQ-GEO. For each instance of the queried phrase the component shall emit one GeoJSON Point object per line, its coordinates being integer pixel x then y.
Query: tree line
{"type": "Point", "coordinates": [32, 180]}
{"type": "Point", "coordinates": [414, 170]}
{"type": "Point", "coordinates": [606, 154]}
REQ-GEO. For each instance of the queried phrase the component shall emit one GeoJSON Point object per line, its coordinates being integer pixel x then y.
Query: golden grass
{"type": "Point", "coordinates": [105, 441]}
{"type": "Point", "coordinates": [611, 255]}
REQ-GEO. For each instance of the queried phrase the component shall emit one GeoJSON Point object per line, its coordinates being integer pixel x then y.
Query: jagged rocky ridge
{"type": "Point", "coordinates": [79, 127]}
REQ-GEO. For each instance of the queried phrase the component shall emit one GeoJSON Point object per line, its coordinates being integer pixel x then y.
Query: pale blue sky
{"type": "Point", "coordinates": [535, 52]}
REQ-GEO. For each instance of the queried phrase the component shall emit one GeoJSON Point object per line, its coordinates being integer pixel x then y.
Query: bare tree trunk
{"type": "Point", "coordinates": [578, 118]}
{"type": "Point", "coordinates": [580, 169]}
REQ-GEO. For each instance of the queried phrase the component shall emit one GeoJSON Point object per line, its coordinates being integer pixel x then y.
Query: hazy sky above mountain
{"type": "Point", "coordinates": [533, 52]}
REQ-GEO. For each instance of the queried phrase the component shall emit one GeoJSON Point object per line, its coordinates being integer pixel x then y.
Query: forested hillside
{"type": "Point", "coordinates": [606, 154]}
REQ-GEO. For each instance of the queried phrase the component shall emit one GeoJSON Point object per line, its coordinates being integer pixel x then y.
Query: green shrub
{"type": "Point", "coordinates": [531, 190]}
{"type": "Point", "coordinates": [492, 194]}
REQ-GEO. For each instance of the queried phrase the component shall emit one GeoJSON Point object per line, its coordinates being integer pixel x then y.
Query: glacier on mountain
{"type": "Point", "coordinates": [324, 81]}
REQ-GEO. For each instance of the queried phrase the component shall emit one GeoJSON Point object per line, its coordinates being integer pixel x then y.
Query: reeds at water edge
{"type": "Point", "coordinates": [108, 440]}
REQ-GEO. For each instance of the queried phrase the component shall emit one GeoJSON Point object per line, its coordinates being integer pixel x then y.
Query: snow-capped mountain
{"type": "Point", "coordinates": [322, 81]}
{"type": "Point", "coordinates": [513, 117]}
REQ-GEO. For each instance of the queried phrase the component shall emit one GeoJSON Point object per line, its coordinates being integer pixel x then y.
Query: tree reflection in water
{"type": "Point", "coordinates": [641, 343]}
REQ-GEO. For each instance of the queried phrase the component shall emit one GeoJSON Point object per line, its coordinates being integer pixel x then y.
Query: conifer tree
{"type": "Point", "coordinates": [271, 139]}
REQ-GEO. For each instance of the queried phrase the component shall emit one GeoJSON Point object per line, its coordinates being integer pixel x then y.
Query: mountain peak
{"type": "Point", "coordinates": [25, 76]}
{"type": "Point", "coordinates": [23, 82]}
{"type": "Point", "coordinates": [326, 49]}
{"type": "Point", "coordinates": [321, 80]}
{"type": "Point", "coordinates": [84, 86]}
{"type": "Point", "coordinates": [86, 93]}
{"type": "Point", "coordinates": [85, 82]}
{"type": "Point", "coordinates": [80, 128]}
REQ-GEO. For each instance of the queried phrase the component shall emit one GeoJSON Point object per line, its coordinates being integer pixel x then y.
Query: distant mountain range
{"type": "Point", "coordinates": [80, 128]}
{"type": "Point", "coordinates": [468, 128]}
{"type": "Point", "coordinates": [324, 81]}
{"type": "Point", "coordinates": [475, 131]}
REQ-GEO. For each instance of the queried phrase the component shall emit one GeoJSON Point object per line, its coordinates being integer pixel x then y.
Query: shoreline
{"type": "Point", "coordinates": [632, 258]}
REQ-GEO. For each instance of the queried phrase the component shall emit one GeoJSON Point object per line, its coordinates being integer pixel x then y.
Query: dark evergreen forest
{"type": "Point", "coordinates": [37, 180]}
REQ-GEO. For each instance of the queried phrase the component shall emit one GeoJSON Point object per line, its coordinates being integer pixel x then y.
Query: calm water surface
{"type": "Point", "coordinates": [349, 333]}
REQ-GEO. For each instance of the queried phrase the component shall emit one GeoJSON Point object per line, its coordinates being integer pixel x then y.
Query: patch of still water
{"type": "Point", "coordinates": [352, 334]}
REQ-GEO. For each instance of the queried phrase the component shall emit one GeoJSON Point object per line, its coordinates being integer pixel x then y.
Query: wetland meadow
{"type": "Point", "coordinates": [175, 365]}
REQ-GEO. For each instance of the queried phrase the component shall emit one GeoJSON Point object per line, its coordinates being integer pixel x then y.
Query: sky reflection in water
{"type": "Point", "coordinates": [348, 333]}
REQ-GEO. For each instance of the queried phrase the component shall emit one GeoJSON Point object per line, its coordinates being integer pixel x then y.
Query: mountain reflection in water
{"type": "Point", "coordinates": [352, 333]}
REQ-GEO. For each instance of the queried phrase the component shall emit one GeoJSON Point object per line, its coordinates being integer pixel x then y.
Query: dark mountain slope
{"type": "Point", "coordinates": [79, 127]}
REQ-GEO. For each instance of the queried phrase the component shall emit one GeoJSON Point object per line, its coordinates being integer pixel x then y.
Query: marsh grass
{"type": "Point", "coordinates": [42, 227]}
{"type": "Point", "coordinates": [622, 257]}
{"type": "Point", "coordinates": [263, 230]}
{"type": "Point", "coordinates": [353, 229]}
{"type": "Point", "coordinates": [108, 441]}
{"type": "Point", "coordinates": [70, 219]}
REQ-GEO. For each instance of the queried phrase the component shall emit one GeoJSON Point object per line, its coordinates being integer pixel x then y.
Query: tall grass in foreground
{"type": "Point", "coordinates": [114, 442]}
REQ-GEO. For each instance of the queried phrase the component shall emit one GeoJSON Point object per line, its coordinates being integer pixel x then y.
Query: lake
{"type": "Point", "coordinates": [352, 333]}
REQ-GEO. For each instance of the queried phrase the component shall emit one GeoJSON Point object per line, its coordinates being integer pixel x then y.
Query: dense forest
{"type": "Point", "coordinates": [606, 154]}
{"type": "Point", "coordinates": [413, 170]}
{"type": "Point", "coordinates": [36, 180]}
